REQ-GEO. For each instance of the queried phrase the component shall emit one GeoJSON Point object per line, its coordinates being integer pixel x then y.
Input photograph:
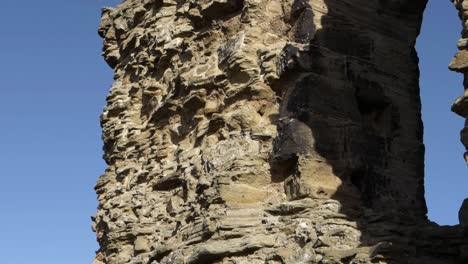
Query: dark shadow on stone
{"type": "Point", "coordinates": [352, 102]}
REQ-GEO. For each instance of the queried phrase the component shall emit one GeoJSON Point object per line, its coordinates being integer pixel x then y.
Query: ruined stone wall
{"type": "Point", "coordinates": [460, 64]}
{"type": "Point", "coordinates": [265, 131]}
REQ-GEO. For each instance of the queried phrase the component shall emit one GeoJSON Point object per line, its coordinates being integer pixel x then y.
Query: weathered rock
{"type": "Point", "coordinates": [260, 131]}
{"type": "Point", "coordinates": [460, 107]}
{"type": "Point", "coordinates": [460, 64]}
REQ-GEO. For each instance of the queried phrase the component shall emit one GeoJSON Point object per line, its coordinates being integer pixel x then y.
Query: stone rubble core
{"type": "Point", "coordinates": [266, 131]}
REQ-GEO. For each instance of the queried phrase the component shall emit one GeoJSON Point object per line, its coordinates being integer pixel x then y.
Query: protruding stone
{"type": "Point", "coordinates": [460, 62]}
{"type": "Point", "coordinates": [460, 106]}
{"type": "Point", "coordinates": [142, 244]}
{"type": "Point", "coordinates": [260, 131]}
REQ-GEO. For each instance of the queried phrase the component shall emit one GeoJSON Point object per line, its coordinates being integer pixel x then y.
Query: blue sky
{"type": "Point", "coordinates": [446, 171]}
{"type": "Point", "coordinates": [54, 84]}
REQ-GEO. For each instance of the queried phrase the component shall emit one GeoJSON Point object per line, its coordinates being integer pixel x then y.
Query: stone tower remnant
{"type": "Point", "coordinates": [266, 131]}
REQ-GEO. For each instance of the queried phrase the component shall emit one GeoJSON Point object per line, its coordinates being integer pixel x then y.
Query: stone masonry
{"type": "Point", "coordinates": [268, 132]}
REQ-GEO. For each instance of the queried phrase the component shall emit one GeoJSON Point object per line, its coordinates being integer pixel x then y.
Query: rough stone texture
{"type": "Point", "coordinates": [460, 64]}
{"type": "Point", "coordinates": [266, 131]}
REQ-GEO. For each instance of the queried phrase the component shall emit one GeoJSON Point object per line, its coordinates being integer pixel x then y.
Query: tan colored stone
{"type": "Point", "coordinates": [235, 194]}
{"type": "Point", "coordinates": [460, 62]}
{"type": "Point", "coordinates": [259, 131]}
{"type": "Point", "coordinates": [142, 244]}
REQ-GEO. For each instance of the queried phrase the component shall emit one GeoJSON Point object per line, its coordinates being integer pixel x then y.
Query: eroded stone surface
{"type": "Point", "coordinates": [460, 64]}
{"type": "Point", "coordinates": [260, 131]}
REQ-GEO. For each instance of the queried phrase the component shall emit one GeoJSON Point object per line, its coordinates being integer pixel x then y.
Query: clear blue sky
{"type": "Point", "coordinates": [53, 88]}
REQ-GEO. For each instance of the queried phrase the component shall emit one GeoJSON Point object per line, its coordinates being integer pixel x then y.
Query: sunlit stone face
{"type": "Point", "coordinates": [263, 132]}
